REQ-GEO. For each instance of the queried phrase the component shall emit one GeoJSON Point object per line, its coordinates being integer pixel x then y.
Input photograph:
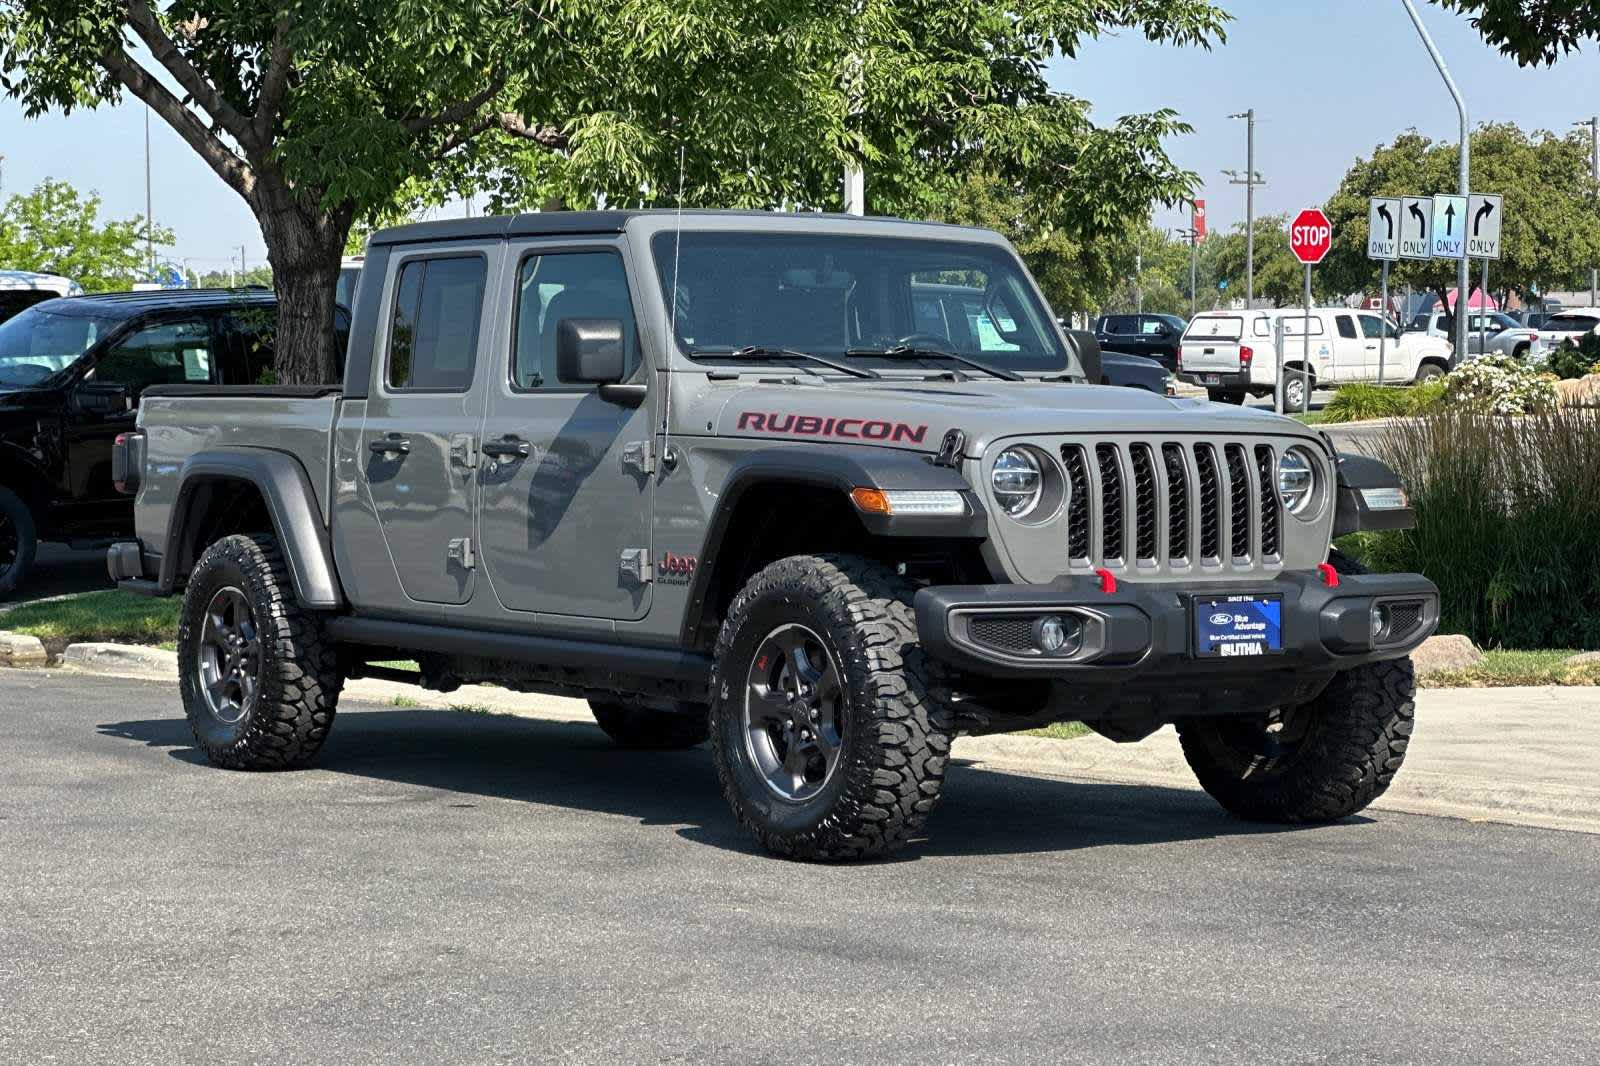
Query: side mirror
{"type": "Point", "coordinates": [590, 351]}
{"type": "Point", "coordinates": [103, 397]}
{"type": "Point", "coordinates": [1088, 354]}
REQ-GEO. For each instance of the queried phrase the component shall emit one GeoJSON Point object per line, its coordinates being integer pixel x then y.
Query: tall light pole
{"type": "Point", "coordinates": [149, 212]}
{"type": "Point", "coordinates": [1250, 180]}
{"type": "Point", "coordinates": [1192, 235]}
{"type": "Point", "coordinates": [1594, 164]}
{"type": "Point", "coordinates": [1463, 278]}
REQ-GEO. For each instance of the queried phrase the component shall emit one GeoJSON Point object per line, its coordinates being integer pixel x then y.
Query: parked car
{"type": "Point", "coordinates": [1135, 372]}
{"type": "Point", "coordinates": [72, 371]}
{"type": "Point", "coordinates": [747, 477]}
{"type": "Point", "coordinates": [1152, 336]}
{"type": "Point", "coordinates": [1503, 334]}
{"type": "Point", "coordinates": [1571, 325]}
{"type": "Point", "coordinates": [1231, 353]}
{"type": "Point", "coordinates": [21, 289]}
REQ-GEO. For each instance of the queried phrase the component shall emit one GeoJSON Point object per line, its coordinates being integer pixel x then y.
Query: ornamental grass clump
{"type": "Point", "coordinates": [1508, 522]}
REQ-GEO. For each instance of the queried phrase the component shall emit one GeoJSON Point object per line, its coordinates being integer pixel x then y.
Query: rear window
{"type": "Point", "coordinates": [433, 334]}
{"type": "Point", "coordinates": [1571, 323]}
{"type": "Point", "coordinates": [1216, 327]}
{"type": "Point", "coordinates": [1295, 326]}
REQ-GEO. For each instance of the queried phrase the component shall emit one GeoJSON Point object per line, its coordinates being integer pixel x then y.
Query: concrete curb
{"type": "Point", "coordinates": [19, 650]}
{"type": "Point", "coordinates": [1514, 756]}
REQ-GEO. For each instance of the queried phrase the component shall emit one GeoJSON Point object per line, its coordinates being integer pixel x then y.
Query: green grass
{"type": "Point", "coordinates": [1502, 668]}
{"type": "Point", "coordinates": [1309, 418]}
{"type": "Point", "coordinates": [115, 616]}
{"type": "Point", "coordinates": [1060, 731]}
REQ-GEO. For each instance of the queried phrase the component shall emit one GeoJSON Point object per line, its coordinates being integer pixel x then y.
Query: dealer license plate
{"type": "Point", "coordinates": [1237, 625]}
{"type": "Point", "coordinates": [1211, 379]}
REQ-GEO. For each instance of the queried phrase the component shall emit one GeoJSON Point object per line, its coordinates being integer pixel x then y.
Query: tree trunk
{"type": "Point", "coordinates": [305, 250]}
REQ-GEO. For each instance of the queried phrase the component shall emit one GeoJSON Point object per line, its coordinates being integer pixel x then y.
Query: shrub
{"type": "Point", "coordinates": [1499, 385]}
{"type": "Point", "coordinates": [1426, 397]}
{"type": "Point", "coordinates": [1353, 403]}
{"type": "Point", "coordinates": [1575, 360]}
{"type": "Point", "coordinates": [1508, 523]}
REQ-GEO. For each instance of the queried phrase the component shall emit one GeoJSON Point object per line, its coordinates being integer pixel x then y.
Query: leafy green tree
{"type": "Point", "coordinates": [54, 230]}
{"type": "Point", "coordinates": [1551, 228]}
{"type": "Point", "coordinates": [322, 113]}
{"type": "Point", "coordinates": [1279, 276]}
{"type": "Point", "coordinates": [1532, 31]}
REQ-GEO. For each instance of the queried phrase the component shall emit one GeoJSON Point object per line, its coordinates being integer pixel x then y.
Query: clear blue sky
{"type": "Point", "coordinates": [1329, 79]}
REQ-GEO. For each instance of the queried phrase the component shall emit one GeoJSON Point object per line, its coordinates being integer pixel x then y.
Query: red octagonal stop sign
{"type": "Point", "coordinates": [1310, 236]}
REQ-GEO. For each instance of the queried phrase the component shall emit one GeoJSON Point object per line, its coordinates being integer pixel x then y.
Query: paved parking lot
{"type": "Point", "coordinates": [456, 887]}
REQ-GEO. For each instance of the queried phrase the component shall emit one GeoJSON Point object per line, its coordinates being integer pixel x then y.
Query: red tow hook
{"type": "Point", "coordinates": [1330, 576]}
{"type": "Point", "coordinates": [1108, 580]}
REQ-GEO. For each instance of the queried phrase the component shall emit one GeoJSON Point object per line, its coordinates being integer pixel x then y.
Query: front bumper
{"type": "Point", "coordinates": [1145, 630]}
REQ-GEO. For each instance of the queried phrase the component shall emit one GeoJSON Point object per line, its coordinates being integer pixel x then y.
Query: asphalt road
{"type": "Point", "coordinates": [468, 888]}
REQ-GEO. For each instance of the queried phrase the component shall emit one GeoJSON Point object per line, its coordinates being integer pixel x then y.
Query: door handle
{"type": "Point", "coordinates": [507, 447]}
{"type": "Point", "coordinates": [393, 444]}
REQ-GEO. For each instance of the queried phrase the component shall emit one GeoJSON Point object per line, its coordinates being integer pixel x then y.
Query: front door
{"type": "Point", "coordinates": [566, 482]}
{"type": "Point", "coordinates": [420, 436]}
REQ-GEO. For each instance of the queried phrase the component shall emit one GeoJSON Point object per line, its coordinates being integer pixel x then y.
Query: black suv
{"type": "Point", "coordinates": [1152, 336]}
{"type": "Point", "coordinates": [71, 373]}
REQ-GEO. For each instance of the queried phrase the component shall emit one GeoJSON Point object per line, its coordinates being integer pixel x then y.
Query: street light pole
{"type": "Point", "coordinates": [1594, 165]}
{"type": "Point", "coordinates": [1463, 275]}
{"type": "Point", "coordinates": [149, 213]}
{"type": "Point", "coordinates": [1192, 235]}
{"type": "Point", "coordinates": [1250, 180]}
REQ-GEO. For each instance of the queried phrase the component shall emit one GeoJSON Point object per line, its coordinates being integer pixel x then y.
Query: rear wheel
{"type": "Point", "coordinates": [1429, 371]}
{"type": "Point", "coordinates": [829, 737]}
{"type": "Point", "coordinates": [259, 678]}
{"type": "Point", "coordinates": [19, 541]}
{"type": "Point", "coordinates": [1297, 389]}
{"type": "Point", "coordinates": [647, 730]}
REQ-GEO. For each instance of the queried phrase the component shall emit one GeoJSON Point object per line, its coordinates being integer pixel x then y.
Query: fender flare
{"type": "Point", "coordinates": [291, 504]}
{"type": "Point", "coordinates": [840, 467]}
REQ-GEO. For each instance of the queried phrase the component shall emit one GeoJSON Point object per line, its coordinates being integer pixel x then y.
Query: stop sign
{"type": "Point", "coordinates": [1310, 236]}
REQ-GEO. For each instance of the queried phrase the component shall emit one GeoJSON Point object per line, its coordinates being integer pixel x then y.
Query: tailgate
{"type": "Point", "coordinates": [1211, 343]}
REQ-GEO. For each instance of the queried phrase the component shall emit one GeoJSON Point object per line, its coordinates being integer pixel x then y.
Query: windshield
{"type": "Point", "coordinates": [38, 344]}
{"type": "Point", "coordinates": [829, 293]}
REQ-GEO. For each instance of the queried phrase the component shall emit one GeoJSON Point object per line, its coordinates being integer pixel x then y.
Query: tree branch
{"type": "Point", "coordinates": [280, 60]}
{"type": "Point", "coordinates": [165, 51]}
{"type": "Point", "coordinates": [458, 112]}
{"type": "Point", "coordinates": [228, 166]}
{"type": "Point", "coordinates": [547, 136]}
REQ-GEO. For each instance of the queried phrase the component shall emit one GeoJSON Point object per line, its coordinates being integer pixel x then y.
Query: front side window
{"type": "Point", "coordinates": [847, 296]}
{"type": "Point", "coordinates": [433, 328]}
{"type": "Point", "coordinates": [168, 353]}
{"type": "Point", "coordinates": [564, 285]}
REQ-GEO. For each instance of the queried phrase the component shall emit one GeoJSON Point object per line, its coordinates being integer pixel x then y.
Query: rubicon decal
{"type": "Point", "coordinates": [841, 428]}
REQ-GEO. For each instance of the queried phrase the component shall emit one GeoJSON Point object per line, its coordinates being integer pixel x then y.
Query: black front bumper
{"type": "Point", "coordinates": [1144, 631]}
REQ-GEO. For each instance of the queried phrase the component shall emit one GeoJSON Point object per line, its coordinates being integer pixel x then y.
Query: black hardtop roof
{"type": "Point", "coordinates": [135, 303]}
{"type": "Point", "coordinates": [556, 223]}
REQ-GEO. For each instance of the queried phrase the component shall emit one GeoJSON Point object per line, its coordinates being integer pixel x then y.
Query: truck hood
{"type": "Point", "coordinates": [916, 415]}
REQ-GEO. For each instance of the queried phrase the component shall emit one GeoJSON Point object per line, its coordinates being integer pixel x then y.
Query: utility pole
{"type": "Point", "coordinates": [149, 212]}
{"type": "Point", "coordinates": [1463, 267]}
{"type": "Point", "coordinates": [1250, 180]}
{"type": "Point", "coordinates": [244, 278]}
{"type": "Point", "coordinates": [1594, 172]}
{"type": "Point", "coordinates": [1192, 236]}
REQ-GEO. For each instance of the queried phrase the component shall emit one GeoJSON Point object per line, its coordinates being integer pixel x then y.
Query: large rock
{"type": "Point", "coordinates": [1451, 651]}
{"type": "Point", "coordinates": [1580, 392]}
{"type": "Point", "coordinates": [18, 650]}
{"type": "Point", "coordinates": [1585, 658]}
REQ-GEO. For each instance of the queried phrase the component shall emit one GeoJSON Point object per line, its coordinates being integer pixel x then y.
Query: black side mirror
{"type": "Point", "coordinates": [590, 351]}
{"type": "Point", "coordinates": [1088, 354]}
{"type": "Point", "coordinates": [103, 397]}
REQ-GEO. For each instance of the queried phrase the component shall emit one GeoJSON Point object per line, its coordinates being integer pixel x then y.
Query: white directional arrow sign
{"type": "Point", "coordinates": [1383, 228]}
{"type": "Point", "coordinates": [1416, 227]}
{"type": "Point", "coordinates": [1449, 227]}
{"type": "Point", "coordinates": [1484, 212]}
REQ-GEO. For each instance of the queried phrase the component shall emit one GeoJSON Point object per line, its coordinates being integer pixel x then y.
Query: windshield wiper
{"type": "Point", "coordinates": [764, 353]}
{"type": "Point", "coordinates": [908, 351]}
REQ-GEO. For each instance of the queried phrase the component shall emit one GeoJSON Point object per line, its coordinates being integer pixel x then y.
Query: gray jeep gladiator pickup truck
{"type": "Point", "coordinates": [826, 491]}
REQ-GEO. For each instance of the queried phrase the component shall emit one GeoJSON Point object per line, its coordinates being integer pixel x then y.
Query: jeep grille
{"type": "Point", "coordinates": [1142, 504]}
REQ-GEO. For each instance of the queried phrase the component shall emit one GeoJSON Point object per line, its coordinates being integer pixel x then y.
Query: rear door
{"type": "Point", "coordinates": [567, 473]}
{"type": "Point", "coordinates": [420, 436]}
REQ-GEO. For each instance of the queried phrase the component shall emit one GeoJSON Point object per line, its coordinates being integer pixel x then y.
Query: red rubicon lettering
{"type": "Point", "coordinates": [843, 428]}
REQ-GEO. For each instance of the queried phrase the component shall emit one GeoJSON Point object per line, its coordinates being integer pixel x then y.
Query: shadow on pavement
{"type": "Point", "coordinates": [572, 765]}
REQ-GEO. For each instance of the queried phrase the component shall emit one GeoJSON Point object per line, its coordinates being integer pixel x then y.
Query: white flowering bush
{"type": "Point", "coordinates": [1500, 385]}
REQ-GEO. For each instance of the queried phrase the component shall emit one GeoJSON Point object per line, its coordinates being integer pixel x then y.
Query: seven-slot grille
{"type": "Point", "coordinates": [1169, 503]}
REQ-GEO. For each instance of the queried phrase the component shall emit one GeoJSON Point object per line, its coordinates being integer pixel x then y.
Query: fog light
{"type": "Point", "coordinates": [1054, 635]}
{"type": "Point", "coordinates": [1380, 621]}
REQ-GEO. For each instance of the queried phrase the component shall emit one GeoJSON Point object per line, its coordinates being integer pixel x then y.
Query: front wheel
{"type": "Point", "coordinates": [1318, 762]}
{"type": "Point", "coordinates": [259, 678]}
{"type": "Point", "coordinates": [829, 736]}
{"type": "Point", "coordinates": [18, 541]}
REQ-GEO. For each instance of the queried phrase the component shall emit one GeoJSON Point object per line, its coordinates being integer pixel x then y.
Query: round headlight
{"type": "Point", "coordinates": [1017, 481]}
{"type": "Point", "coordinates": [1297, 479]}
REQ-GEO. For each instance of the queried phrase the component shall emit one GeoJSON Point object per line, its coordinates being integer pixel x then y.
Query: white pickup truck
{"type": "Point", "coordinates": [1230, 353]}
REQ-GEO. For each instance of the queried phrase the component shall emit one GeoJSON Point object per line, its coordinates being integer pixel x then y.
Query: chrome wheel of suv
{"type": "Point", "coordinates": [230, 656]}
{"type": "Point", "coordinates": [794, 712]}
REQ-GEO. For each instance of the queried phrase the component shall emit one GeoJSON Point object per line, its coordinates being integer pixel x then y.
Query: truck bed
{"type": "Point", "coordinates": [180, 421]}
